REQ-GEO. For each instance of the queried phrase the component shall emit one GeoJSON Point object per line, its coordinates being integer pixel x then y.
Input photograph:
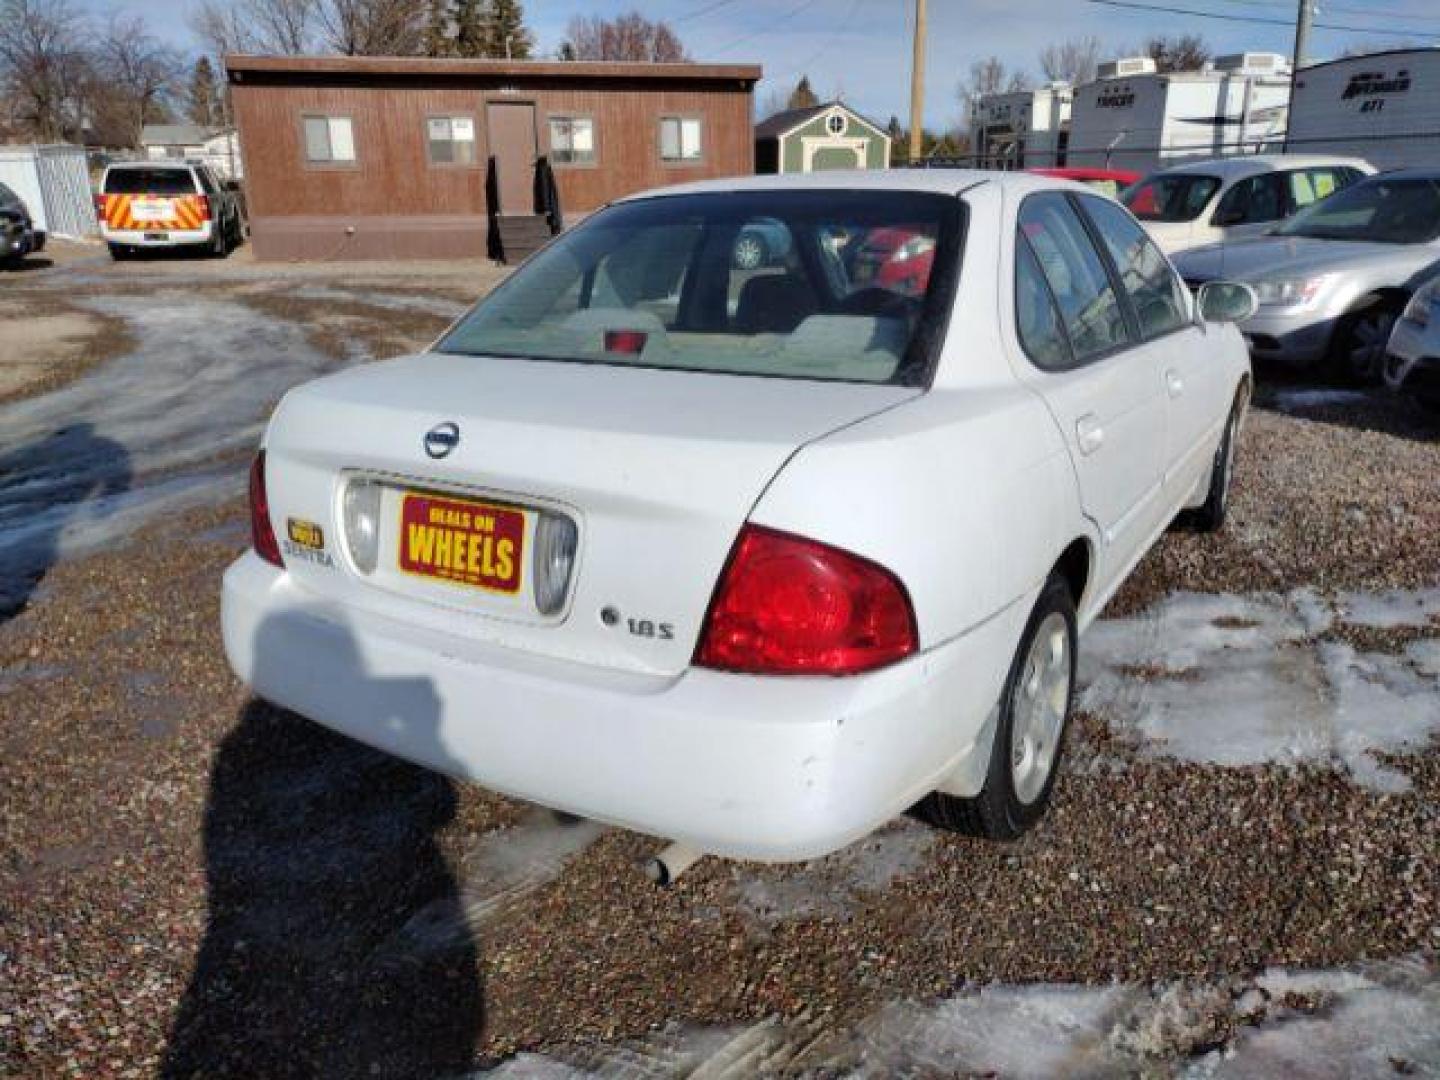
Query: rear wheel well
{"type": "Point", "coordinates": [1073, 566]}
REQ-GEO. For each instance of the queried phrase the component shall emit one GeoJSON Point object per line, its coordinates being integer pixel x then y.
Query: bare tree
{"type": "Point", "coordinates": [374, 27]}
{"type": "Point", "coordinates": [44, 68]}
{"type": "Point", "coordinates": [284, 27]}
{"type": "Point", "coordinates": [990, 76]}
{"type": "Point", "coordinates": [1072, 61]}
{"type": "Point", "coordinates": [138, 78]}
{"type": "Point", "coordinates": [629, 37]}
{"type": "Point", "coordinates": [1183, 52]}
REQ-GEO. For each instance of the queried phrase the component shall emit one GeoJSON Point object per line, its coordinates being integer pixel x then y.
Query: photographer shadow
{"type": "Point", "coordinates": [326, 881]}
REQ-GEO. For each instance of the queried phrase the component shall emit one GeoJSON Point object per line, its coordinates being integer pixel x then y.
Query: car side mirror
{"type": "Point", "coordinates": [1226, 302]}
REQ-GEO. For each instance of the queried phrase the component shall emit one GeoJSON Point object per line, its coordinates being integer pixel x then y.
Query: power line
{"type": "Point", "coordinates": [1258, 20]}
{"type": "Point", "coordinates": [1344, 9]}
{"type": "Point", "coordinates": [1339, 9]}
{"type": "Point", "coordinates": [843, 26]}
{"type": "Point", "coordinates": [701, 12]}
{"type": "Point", "coordinates": [765, 30]}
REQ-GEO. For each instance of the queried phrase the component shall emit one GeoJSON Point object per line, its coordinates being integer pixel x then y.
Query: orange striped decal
{"type": "Point", "coordinates": [178, 212]}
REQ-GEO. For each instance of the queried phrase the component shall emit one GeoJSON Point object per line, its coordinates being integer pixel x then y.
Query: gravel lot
{"type": "Point", "coordinates": [192, 883]}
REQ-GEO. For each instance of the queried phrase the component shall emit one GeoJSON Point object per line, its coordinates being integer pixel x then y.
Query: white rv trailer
{"type": "Point", "coordinates": [1384, 107]}
{"type": "Point", "coordinates": [1133, 117]}
{"type": "Point", "coordinates": [1023, 129]}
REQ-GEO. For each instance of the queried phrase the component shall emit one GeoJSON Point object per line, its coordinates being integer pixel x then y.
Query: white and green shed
{"type": "Point", "coordinates": [831, 136]}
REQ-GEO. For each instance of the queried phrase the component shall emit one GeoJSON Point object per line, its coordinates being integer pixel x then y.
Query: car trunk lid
{"type": "Point", "coordinates": [656, 469]}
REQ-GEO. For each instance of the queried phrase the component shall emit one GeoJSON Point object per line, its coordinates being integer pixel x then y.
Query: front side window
{"type": "Point", "coordinates": [1158, 297]}
{"type": "Point", "coordinates": [1176, 197]}
{"type": "Point", "coordinates": [572, 140]}
{"type": "Point", "coordinates": [450, 140]}
{"type": "Point", "coordinates": [329, 140]}
{"type": "Point", "coordinates": [1253, 201]}
{"type": "Point", "coordinates": [834, 285]}
{"type": "Point", "coordinates": [1089, 308]}
{"type": "Point", "coordinates": [680, 139]}
{"type": "Point", "coordinates": [1381, 210]}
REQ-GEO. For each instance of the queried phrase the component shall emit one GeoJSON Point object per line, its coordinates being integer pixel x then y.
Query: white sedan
{"type": "Point", "coordinates": [751, 559]}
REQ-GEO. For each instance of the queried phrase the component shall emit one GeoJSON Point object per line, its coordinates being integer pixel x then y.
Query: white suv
{"type": "Point", "coordinates": [1212, 202]}
{"type": "Point", "coordinates": [149, 204]}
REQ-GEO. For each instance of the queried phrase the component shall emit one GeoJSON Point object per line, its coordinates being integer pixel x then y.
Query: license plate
{"type": "Point", "coordinates": [157, 236]}
{"type": "Point", "coordinates": [458, 540]}
{"type": "Point", "coordinates": [152, 209]}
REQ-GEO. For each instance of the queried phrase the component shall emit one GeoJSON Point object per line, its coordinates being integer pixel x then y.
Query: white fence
{"type": "Point", "coordinates": [54, 181]}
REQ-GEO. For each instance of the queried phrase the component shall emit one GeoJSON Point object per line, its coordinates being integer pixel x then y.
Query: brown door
{"type": "Point", "coordinates": [512, 141]}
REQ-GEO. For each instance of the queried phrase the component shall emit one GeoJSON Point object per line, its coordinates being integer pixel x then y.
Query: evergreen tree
{"type": "Point", "coordinates": [802, 97]}
{"type": "Point", "coordinates": [471, 32]}
{"type": "Point", "coordinates": [437, 37]}
{"type": "Point", "coordinates": [507, 34]}
{"type": "Point", "coordinates": [203, 107]}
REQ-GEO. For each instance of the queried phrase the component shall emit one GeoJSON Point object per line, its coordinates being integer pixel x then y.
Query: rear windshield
{"type": "Point", "coordinates": [149, 182]}
{"type": "Point", "coordinates": [1180, 197]}
{"type": "Point", "coordinates": [1380, 210]}
{"type": "Point", "coordinates": [838, 285]}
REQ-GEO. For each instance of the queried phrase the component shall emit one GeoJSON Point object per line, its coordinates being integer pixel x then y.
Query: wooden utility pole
{"type": "Point", "coordinates": [917, 84]}
{"type": "Point", "coordinates": [1302, 35]}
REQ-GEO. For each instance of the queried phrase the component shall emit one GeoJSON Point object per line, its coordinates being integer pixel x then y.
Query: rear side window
{"type": "Point", "coordinates": [1036, 320]}
{"type": "Point", "coordinates": [1155, 292]}
{"type": "Point", "coordinates": [149, 182]}
{"type": "Point", "coordinates": [1089, 308]}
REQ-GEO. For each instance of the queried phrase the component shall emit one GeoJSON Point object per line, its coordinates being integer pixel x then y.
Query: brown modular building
{"type": "Point", "coordinates": [384, 157]}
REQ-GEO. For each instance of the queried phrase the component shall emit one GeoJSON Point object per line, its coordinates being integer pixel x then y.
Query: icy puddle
{"type": "Point", "coordinates": [163, 428]}
{"type": "Point", "coordinates": [1239, 680]}
{"type": "Point", "coordinates": [1372, 1020]}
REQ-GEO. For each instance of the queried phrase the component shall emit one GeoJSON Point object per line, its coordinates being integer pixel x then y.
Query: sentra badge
{"type": "Point", "coordinates": [306, 540]}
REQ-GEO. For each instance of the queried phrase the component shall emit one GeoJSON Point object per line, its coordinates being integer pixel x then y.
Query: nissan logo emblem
{"type": "Point", "coordinates": [442, 438]}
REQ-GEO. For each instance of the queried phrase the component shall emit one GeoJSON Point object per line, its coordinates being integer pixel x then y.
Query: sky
{"type": "Point", "coordinates": [860, 49]}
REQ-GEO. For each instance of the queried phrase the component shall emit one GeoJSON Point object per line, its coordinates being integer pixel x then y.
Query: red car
{"type": "Point", "coordinates": [1106, 181]}
{"type": "Point", "coordinates": [897, 258]}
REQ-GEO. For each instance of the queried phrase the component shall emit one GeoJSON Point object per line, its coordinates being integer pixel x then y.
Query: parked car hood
{"type": "Point", "coordinates": [1267, 257]}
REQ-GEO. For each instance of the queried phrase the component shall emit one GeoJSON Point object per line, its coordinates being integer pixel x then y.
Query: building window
{"type": "Point", "coordinates": [835, 124]}
{"type": "Point", "coordinates": [679, 139]}
{"type": "Point", "coordinates": [451, 140]}
{"type": "Point", "coordinates": [572, 140]}
{"type": "Point", "coordinates": [329, 140]}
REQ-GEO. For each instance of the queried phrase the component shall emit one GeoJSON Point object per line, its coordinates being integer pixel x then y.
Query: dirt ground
{"type": "Point", "coordinates": [194, 883]}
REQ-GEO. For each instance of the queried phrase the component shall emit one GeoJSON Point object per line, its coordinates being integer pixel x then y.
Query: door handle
{"type": "Point", "coordinates": [1174, 383]}
{"type": "Point", "coordinates": [1089, 434]}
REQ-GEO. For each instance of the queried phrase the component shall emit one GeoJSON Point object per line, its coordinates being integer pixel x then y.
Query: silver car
{"type": "Point", "coordinates": [1412, 364]}
{"type": "Point", "coordinates": [1333, 279]}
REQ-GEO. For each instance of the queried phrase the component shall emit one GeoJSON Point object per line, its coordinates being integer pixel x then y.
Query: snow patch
{"type": "Point", "coordinates": [164, 428]}
{"type": "Point", "coordinates": [830, 886]}
{"type": "Point", "coordinates": [1239, 680]}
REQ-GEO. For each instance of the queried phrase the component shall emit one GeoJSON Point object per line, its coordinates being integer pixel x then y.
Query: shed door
{"type": "Point", "coordinates": [512, 141]}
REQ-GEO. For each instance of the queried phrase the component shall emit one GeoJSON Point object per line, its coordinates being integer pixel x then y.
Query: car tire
{"type": "Point", "coordinates": [1357, 352]}
{"type": "Point", "coordinates": [120, 253]}
{"type": "Point", "coordinates": [750, 252]}
{"type": "Point", "coordinates": [1210, 515]}
{"type": "Point", "coordinates": [1029, 731]}
{"type": "Point", "coordinates": [220, 243]}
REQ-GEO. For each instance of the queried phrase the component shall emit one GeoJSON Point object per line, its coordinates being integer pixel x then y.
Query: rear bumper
{"type": "Point", "coordinates": [747, 767]}
{"type": "Point", "coordinates": [172, 237]}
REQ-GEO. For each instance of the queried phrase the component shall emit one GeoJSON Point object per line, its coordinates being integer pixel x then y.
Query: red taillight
{"type": "Point", "coordinates": [204, 206]}
{"type": "Point", "coordinates": [790, 606]}
{"type": "Point", "coordinates": [262, 533]}
{"type": "Point", "coordinates": [100, 207]}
